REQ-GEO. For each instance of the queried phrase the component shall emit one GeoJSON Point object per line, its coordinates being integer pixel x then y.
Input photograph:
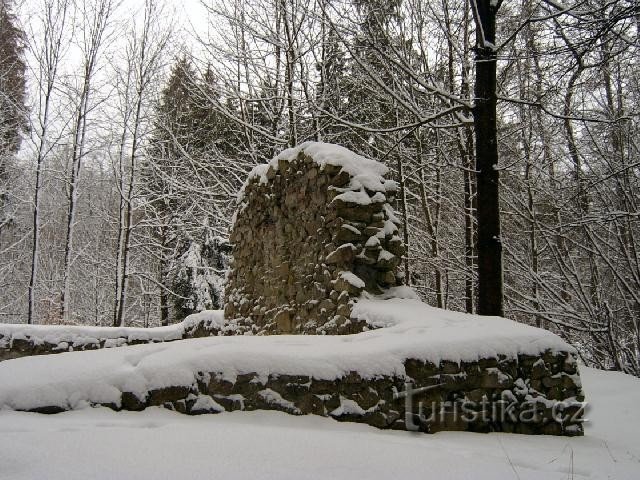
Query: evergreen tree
{"type": "Point", "coordinates": [183, 171]}
{"type": "Point", "coordinates": [332, 87]}
{"type": "Point", "coordinates": [199, 281]}
{"type": "Point", "coordinates": [13, 118]}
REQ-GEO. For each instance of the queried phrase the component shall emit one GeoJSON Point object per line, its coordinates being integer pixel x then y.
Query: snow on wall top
{"type": "Point", "coordinates": [365, 172]}
{"type": "Point", "coordinates": [410, 329]}
{"type": "Point", "coordinates": [86, 335]}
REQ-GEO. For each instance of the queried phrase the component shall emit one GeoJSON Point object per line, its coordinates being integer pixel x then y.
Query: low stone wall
{"type": "Point", "coordinates": [314, 229]}
{"type": "Point", "coordinates": [381, 378]}
{"type": "Point", "coordinates": [18, 341]}
{"type": "Point", "coordinates": [532, 395]}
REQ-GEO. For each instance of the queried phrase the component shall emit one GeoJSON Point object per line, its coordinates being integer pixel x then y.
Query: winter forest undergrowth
{"type": "Point", "coordinates": [128, 127]}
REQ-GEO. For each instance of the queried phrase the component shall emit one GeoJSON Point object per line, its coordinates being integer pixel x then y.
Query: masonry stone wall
{"type": "Point", "coordinates": [312, 232]}
{"type": "Point", "coordinates": [528, 394]}
{"type": "Point", "coordinates": [18, 341]}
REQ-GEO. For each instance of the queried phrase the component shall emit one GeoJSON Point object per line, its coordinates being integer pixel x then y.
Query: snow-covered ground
{"type": "Point", "coordinates": [159, 444]}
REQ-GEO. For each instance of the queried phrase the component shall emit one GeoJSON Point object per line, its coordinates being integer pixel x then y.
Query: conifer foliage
{"type": "Point", "coordinates": [13, 113]}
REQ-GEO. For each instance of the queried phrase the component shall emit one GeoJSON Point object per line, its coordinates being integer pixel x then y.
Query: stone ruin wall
{"type": "Point", "coordinates": [308, 238]}
{"type": "Point", "coordinates": [31, 340]}
{"type": "Point", "coordinates": [527, 394]}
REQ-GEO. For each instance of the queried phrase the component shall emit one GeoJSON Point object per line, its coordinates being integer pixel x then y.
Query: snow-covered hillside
{"type": "Point", "coordinates": [159, 444]}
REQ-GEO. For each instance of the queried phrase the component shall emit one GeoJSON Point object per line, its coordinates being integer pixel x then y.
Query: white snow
{"type": "Point", "coordinates": [398, 293]}
{"type": "Point", "coordinates": [390, 228]}
{"type": "Point", "coordinates": [205, 402]}
{"type": "Point", "coordinates": [391, 214]}
{"type": "Point", "coordinates": [358, 198]}
{"type": "Point", "coordinates": [373, 241]}
{"type": "Point", "coordinates": [100, 444]}
{"type": "Point", "coordinates": [347, 407]}
{"type": "Point", "coordinates": [77, 336]}
{"type": "Point", "coordinates": [351, 228]}
{"type": "Point", "coordinates": [391, 186]}
{"type": "Point", "coordinates": [378, 197]}
{"type": "Point", "coordinates": [329, 153]}
{"type": "Point", "coordinates": [406, 329]}
{"type": "Point", "coordinates": [274, 398]}
{"type": "Point", "coordinates": [352, 279]}
{"type": "Point", "coordinates": [365, 173]}
{"type": "Point", "coordinates": [385, 255]}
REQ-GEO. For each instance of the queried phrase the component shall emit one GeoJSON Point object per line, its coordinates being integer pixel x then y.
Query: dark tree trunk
{"type": "Point", "coordinates": [164, 273]}
{"type": "Point", "coordinates": [469, 210]}
{"type": "Point", "coordinates": [465, 147]}
{"type": "Point", "coordinates": [489, 246]}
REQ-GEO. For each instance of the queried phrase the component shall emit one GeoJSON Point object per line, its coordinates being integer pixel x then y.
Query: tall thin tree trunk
{"type": "Point", "coordinates": [121, 191]}
{"type": "Point", "coordinates": [432, 222]}
{"type": "Point", "coordinates": [76, 163]}
{"type": "Point", "coordinates": [35, 246]}
{"type": "Point", "coordinates": [94, 37]}
{"type": "Point", "coordinates": [405, 219]}
{"type": "Point", "coordinates": [526, 130]}
{"type": "Point", "coordinates": [128, 227]}
{"type": "Point", "coordinates": [126, 240]}
{"type": "Point", "coordinates": [164, 276]}
{"type": "Point", "coordinates": [55, 21]}
{"type": "Point", "coordinates": [489, 242]}
{"type": "Point", "coordinates": [465, 145]}
{"type": "Point", "coordinates": [469, 215]}
{"type": "Point", "coordinates": [289, 73]}
{"type": "Point", "coordinates": [121, 227]}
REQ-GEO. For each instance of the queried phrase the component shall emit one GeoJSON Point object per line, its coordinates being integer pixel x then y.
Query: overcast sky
{"type": "Point", "coordinates": [186, 14]}
{"type": "Point", "coordinates": [188, 17]}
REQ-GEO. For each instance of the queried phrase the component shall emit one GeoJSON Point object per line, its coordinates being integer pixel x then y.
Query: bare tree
{"type": "Point", "coordinates": [146, 46]}
{"type": "Point", "coordinates": [95, 17]}
{"type": "Point", "coordinates": [47, 48]}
